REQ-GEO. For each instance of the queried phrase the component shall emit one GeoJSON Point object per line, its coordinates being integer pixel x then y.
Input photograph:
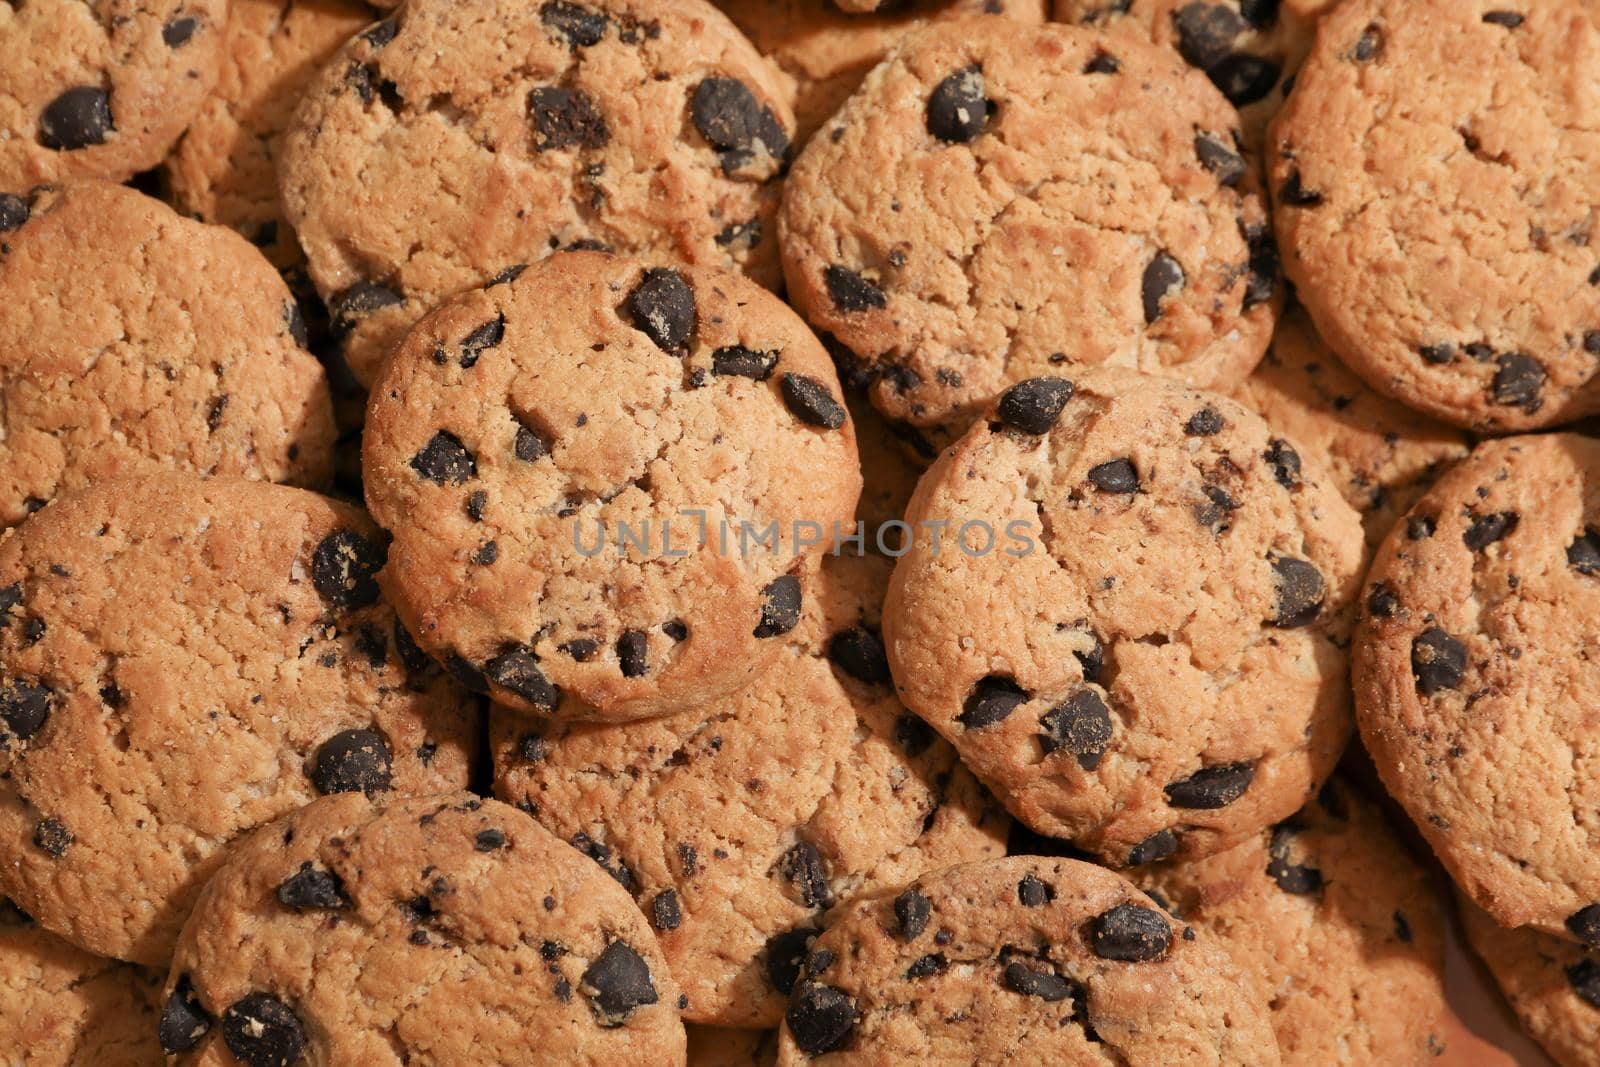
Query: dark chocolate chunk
{"type": "Point", "coordinates": [851, 292]}
{"type": "Point", "coordinates": [78, 118]}
{"type": "Point", "coordinates": [1211, 787]}
{"type": "Point", "coordinates": [1438, 661]}
{"type": "Point", "coordinates": [444, 460]}
{"type": "Point", "coordinates": [991, 700]}
{"type": "Point", "coordinates": [262, 1031]}
{"type": "Point", "coordinates": [1163, 277]}
{"type": "Point", "coordinates": [183, 1021]}
{"type": "Point", "coordinates": [312, 887]}
{"type": "Point", "coordinates": [353, 761]}
{"type": "Point", "coordinates": [1115, 476]}
{"type": "Point", "coordinates": [1081, 725]}
{"type": "Point", "coordinates": [573, 23]}
{"type": "Point", "coordinates": [957, 109]}
{"type": "Point", "coordinates": [617, 983]}
{"type": "Point", "coordinates": [1300, 592]}
{"type": "Point", "coordinates": [912, 909]}
{"type": "Point", "coordinates": [1130, 933]}
{"type": "Point", "coordinates": [565, 118]}
{"type": "Point", "coordinates": [662, 306]}
{"type": "Point", "coordinates": [1034, 405]}
{"type": "Point", "coordinates": [344, 569]}
{"type": "Point", "coordinates": [780, 608]}
{"type": "Point", "coordinates": [820, 1018]}
{"type": "Point", "coordinates": [517, 669]}
{"type": "Point", "coordinates": [742, 362]}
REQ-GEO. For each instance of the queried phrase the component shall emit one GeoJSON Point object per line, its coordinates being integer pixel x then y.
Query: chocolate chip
{"type": "Point", "coordinates": [1438, 660]}
{"type": "Point", "coordinates": [859, 653]}
{"type": "Point", "coordinates": [14, 211]}
{"type": "Point", "coordinates": [1158, 846]}
{"type": "Point", "coordinates": [820, 1018]}
{"type": "Point", "coordinates": [1509, 19]}
{"type": "Point", "coordinates": [1368, 45]}
{"type": "Point", "coordinates": [957, 109]}
{"type": "Point", "coordinates": [1034, 405]}
{"type": "Point", "coordinates": [913, 910]}
{"type": "Point", "coordinates": [811, 402]}
{"type": "Point", "coordinates": [786, 955]}
{"type": "Point", "coordinates": [24, 707]}
{"type": "Point", "coordinates": [262, 1031]}
{"type": "Point", "coordinates": [665, 912]}
{"type": "Point", "coordinates": [780, 607]}
{"type": "Point", "coordinates": [78, 118]}
{"type": "Point", "coordinates": [532, 748]}
{"type": "Point", "coordinates": [506, 275]}
{"type": "Point", "coordinates": [1092, 660]}
{"type": "Point", "coordinates": [481, 340]}
{"type": "Point", "coordinates": [295, 321]}
{"type": "Point", "coordinates": [1290, 877]}
{"type": "Point", "coordinates": [1130, 933]}
{"type": "Point", "coordinates": [517, 670]}
{"type": "Point", "coordinates": [577, 25]}
{"type": "Point", "coordinates": [312, 887]}
{"type": "Point", "coordinates": [344, 569]}
{"type": "Point", "coordinates": [1584, 977]}
{"type": "Point", "coordinates": [580, 649]}
{"type": "Point", "coordinates": [465, 672]}
{"type": "Point", "coordinates": [1218, 156]}
{"type": "Point", "coordinates": [176, 33]}
{"type": "Point", "coordinates": [1585, 924]}
{"type": "Point", "coordinates": [1115, 476]}
{"type": "Point", "coordinates": [730, 116]}
{"type": "Point", "coordinates": [1382, 602]}
{"type": "Point", "coordinates": [1285, 463]}
{"type": "Point", "coordinates": [739, 361]}
{"type": "Point", "coordinates": [348, 308]}
{"type": "Point", "coordinates": [1102, 63]}
{"type": "Point", "coordinates": [851, 292]}
{"type": "Point", "coordinates": [1294, 192]}
{"type": "Point", "coordinates": [353, 761]}
{"type": "Point", "coordinates": [633, 653]}
{"type": "Point", "coordinates": [1206, 33]}
{"type": "Point", "coordinates": [602, 855]}
{"type": "Point", "coordinates": [1162, 278]}
{"type": "Point", "coordinates": [1033, 893]}
{"type": "Point", "coordinates": [1519, 381]}
{"type": "Point", "coordinates": [912, 735]}
{"type": "Point", "coordinates": [617, 983]}
{"type": "Point", "coordinates": [1262, 282]}
{"type": "Point", "coordinates": [530, 443]}
{"type": "Point", "coordinates": [676, 629]}
{"type": "Point", "coordinates": [1438, 355]}
{"type": "Point", "coordinates": [1420, 527]}
{"type": "Point", "coordinates": [1212, 787]}
{"type": "Point", "coordinates": [990, 701]}
{"type": "Point", "coordinates": [1207, 422]}
{"type": "Point", "coordinates": [1080, 725]}
{"type": "Point", "coordinates": [1300, 592]}
{"type": "Point", "coordinates": [53, 836]}
{"type": "Point", "coordinates": [741, 234]}
{"type": "Point", "coordinates": [444, 460]}
{"type": "Point", "coordinates": [1485, 530]}
{"type": "Point", "coordinates": [1259, 13]}
{"type": "Point", "coordinates": [1583, 555]}
{"type": "Point", "coordinates": [802, 867]}
{"type": "Point", "coordinates": [1046, 985]}
{"type": "Point", "coordinates": [1402, 927]}
{"type": "Point", "coordinates": [183, 1021]}
{"type": "Point", "coordinates": [565, 118]}
{"type": "Point", "coordinates": [662, 307]}
{"type": "Point", "coordinates": [1244, 78]}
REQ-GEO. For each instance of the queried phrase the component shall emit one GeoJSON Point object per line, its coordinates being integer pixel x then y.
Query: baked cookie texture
{"type": "Point", "coordinates": [711, 1046]}
{"type": "Point", "coordinates": [1380, 454]}
{"type": "Point", "coordinates": [1475, 673]}
{"type": "Point", "coordinates": [135, 340]}
{"type": "Point", "coordinates": [1250, 49]}
{"type": "Point", "coordinates": [1552, 984]}
{"type": "Point", "coordinates": [1340, 928]}
{"type": "Point", "coordinates": [600, 396]}
{"type": "Point", "coordinates": [1024, 958]}
{"type": "Point", "coordinates": [641, 126]}
{"type": "Point", "coordinates": [222, 171]}
{"type": "Point", "coordinates": [1434, 175]}
{"type": "Point", "coordinates": [446, 929]}
{"type": "Point", "coordinates": [101, 90]}
{"type": "Point", "coordinates": [739, 824]}
{"type": "Point", "coordinates": [825, 49]}
{"type": "Point", "coordinates": [1132, 625]}
{"type": "Point", "coordinates": [184, 660]}
{"type": "Point", "coordinates": [992, 205]}
{"type": "Point", "coordinates": [67, 1008]}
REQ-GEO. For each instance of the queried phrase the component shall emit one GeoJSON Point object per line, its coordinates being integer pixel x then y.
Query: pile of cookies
{"type": "Point", "coordinates": [796, 531]}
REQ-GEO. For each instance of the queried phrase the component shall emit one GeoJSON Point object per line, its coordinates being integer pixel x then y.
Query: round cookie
{"type": "Point", "coordinates": [135, 340]}
{"type": "Point", "coordinates": [1339, 927]}
{"type": "Point", "coordinates": [186, 659]}
{"type": "Point", "coordinates": [1476, 669]}
{"type": "Point", "coordinates": [222, 170]}
{"type": "Point", "coordinates": [1381, 455]}
{"type": "Point", "coordinates": [640, 126]}
{"type": "Point", "coordinates": [993, 205]}
{"type": "Point", "coordinates": [444, 929]}
{"type": "Point", "coordinates": [1026, 959]}
{"type": "Point", "coordinates": [578, 468]}
{"type": "Point", "coordinates": [1250, 49]}
{"type": "Point", "coordinates": [65, 1007]}
{"type": "Point", "coordinates": [101, 90]}
{"type": "Point", "coordinates": [711, 1046]}
{"type": "Point", "coordinates": [826, 51]}
{"type": "Point", "coordinates": [1126, 605]}
{"type": "Point", "coordinates": [738, 824]}
{"type": "Point", "coordinates": [1553, 985]}
{"type": "Point", "coordinates": [1435, 174]}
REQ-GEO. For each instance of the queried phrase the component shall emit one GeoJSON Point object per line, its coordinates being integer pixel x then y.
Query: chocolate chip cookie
{"type": "Point", "coordinates": [1476, 672]}
{"type": "Point", "coordinates": [738, 824]}
{"type": "Point", "coordinates": [134, 340]}
{"type": "Point", "coordinates": [1023, 959]}
{"type": "Point", "coordinates": [1381, 455]}
{"type": "Point", "coordinates": [1340, 928]}
{"type": "Point", "coordinates": [993, 205]}
{"type": "Point", "coordinates": [825, 49]}
{"type": "Point", "coordinates": [185, 659]}
{"type": "Point", "coordinates": [457, 140]}
{"type": "Point", "coordinates": [1435, 173]}
{"type": "Point", "coordinates": [443, 929]}
{"type": "Point", "coordinates": [66, 1008]}
{"type": "Point", "coordinates": [101, 90]}
{"type": "Point", "coordinates": [1126, 605]}
{"type": "Point", "coordinates": [608, 479]}
{"type": "Point", "coordinates": [222, 170]}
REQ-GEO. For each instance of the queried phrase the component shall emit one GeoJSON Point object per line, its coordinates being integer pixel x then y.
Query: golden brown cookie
{"type": "Point", "coordinates": [711, 1046]}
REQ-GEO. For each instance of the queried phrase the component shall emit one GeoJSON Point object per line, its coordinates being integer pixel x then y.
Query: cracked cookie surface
{"type": "Point", "coordinates": [824, 789]}
{"type": "Point", "coordinates": [101, 90]}
{"type": "Point", "coordinates": [1132, 623]}
{"type": "Point", "coordinates": [1434, 176]}
{"type": "Point", "coordinates": [993, 205]}
{"type": "Point", "coordinates": [443, 929]}
{"type": "Point", "coordinates": [593, 395]}
{"type": "Point", "coordinates": [186, 659]}
{"type": "Point", "coordinates": [135, 340]}
{"type": "Point", "coordinates": [1475, 676]}
{"type": "Point", "coordinates": [644, 126]}
{"type": "Point", "coordinates": [1026, 959]}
